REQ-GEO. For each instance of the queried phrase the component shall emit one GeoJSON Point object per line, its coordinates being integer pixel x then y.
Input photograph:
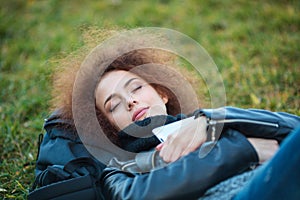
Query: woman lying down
{"type": "Point", "coordinates": [228, 153]}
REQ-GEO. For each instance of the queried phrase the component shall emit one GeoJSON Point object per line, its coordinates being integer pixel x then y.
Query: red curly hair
{"type": "Point", "coordinates": [65, 76]}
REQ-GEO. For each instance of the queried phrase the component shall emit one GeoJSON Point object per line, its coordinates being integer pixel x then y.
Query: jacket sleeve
{"type": "Point", "coordinates": [189, 177]}
{"type": "Point", "coordinates": [253, 122]}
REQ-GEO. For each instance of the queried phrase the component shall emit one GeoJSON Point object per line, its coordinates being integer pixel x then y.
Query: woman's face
{"type": "Point", "coordinates": [124, 97]}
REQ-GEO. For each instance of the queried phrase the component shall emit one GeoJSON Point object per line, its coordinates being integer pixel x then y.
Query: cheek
{"type": "Point", "coordinates": [152, 97]}
{"type": "Point", "coordinates": [120, 119]}
{"type": "Point", "coordinates": [158, 107]}
{"type": "Point", "coordinates": [149, 94]}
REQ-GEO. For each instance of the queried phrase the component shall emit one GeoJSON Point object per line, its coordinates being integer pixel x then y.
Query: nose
{"type": "Point", "coordinates": [131, 102]}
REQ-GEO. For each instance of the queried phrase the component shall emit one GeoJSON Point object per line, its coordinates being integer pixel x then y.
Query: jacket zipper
{"type": "Point", "coordinates": [214, 122]}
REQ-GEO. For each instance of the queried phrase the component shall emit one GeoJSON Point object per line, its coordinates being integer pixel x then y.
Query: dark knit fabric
{"type": "Point", "coordinates": [227, 189]}
{"type": "Point", "coordinates": [138, 136]}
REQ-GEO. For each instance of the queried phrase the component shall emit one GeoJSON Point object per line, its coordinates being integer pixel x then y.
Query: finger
{"type": "Point", "coordinates": [169, 153]}
{"type": "Point", "coordinates": [185, 153]}
{"type": "Point", "coordinates": [172, 152]}
{"type": "Point", "coordinates": [165, 153]}
{"type": "Point", "coordinates": [159, 147]}
{"type": "Point", "coordinates": [177, 148]}
{"type": "Point", "coordinates": [176, 154]}
{"type": "Point", "coordinates": [190, 147]}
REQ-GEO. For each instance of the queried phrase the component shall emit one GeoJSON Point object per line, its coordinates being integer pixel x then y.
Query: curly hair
{"type": "Point", "coordinates": [128, 62]}
{"type": "Point", "coordinates": [65, 76]}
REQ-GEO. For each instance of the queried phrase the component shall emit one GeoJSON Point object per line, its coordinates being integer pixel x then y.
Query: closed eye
{"type": "Point", "coordinates": [137, 88]}
{"type": "Point", "coordinates": [114, 107]}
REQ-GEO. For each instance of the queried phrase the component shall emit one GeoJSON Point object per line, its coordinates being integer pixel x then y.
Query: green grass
{"type": "Point", "coordinates": [255, 44]}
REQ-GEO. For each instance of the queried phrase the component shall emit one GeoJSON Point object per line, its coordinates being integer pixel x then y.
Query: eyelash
{"type": "Point", "coordinates": [137, 88]}
{"type": "Point", "coordinates": [112, 109]}
{"type": "Point", "coordinates": [134, 90]}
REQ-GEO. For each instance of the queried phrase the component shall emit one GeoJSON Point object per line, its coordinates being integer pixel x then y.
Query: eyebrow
{"type": "Point", "coordinates": [113, 95]}
{"type": "Point", "coordinates": [129, 81]}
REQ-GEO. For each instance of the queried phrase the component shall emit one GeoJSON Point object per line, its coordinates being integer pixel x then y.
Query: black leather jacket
{"type": "Point", "coordinates": [190, 176]}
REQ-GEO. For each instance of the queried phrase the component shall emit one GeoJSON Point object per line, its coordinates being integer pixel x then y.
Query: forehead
{"type": "Point", "coordinates": [116, 79]}
{"type": "Point", "coordinates": [113, 82]}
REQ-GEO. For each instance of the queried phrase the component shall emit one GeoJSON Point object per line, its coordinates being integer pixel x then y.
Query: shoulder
{"type": "Point", "coordinates": [57, 126]}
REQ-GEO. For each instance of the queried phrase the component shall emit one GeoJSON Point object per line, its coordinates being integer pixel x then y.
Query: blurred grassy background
{"type": "Point", "coordinates": [255, 44]}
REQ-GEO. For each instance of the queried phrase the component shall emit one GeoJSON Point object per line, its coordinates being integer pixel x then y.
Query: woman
{"type": "Point", "coordinates": [132, 99]}
{"type": "Point", "coordinates": [123, 97]}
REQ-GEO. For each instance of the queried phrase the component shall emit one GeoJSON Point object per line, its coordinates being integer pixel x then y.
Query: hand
{"type": "Point", "coordinates": [265, 148]}
{"type": "Point", "coordinates": [190, 136]}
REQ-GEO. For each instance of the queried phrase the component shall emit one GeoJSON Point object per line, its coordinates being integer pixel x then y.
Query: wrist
{"type": "Point", "coordinates": [210, 126]}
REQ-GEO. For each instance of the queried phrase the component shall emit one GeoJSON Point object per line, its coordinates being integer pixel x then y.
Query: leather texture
{"type": "Point", "coordinates": [190, 176]}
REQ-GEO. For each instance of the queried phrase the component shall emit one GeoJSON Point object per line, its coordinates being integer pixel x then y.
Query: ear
{"type": "Point", "coordinates": [162, 95]}
{"type": "Point", "coordinates": [165, 99]}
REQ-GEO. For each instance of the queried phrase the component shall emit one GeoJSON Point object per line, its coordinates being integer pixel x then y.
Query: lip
{"type": "Point", "coordinates": [139, 113]}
